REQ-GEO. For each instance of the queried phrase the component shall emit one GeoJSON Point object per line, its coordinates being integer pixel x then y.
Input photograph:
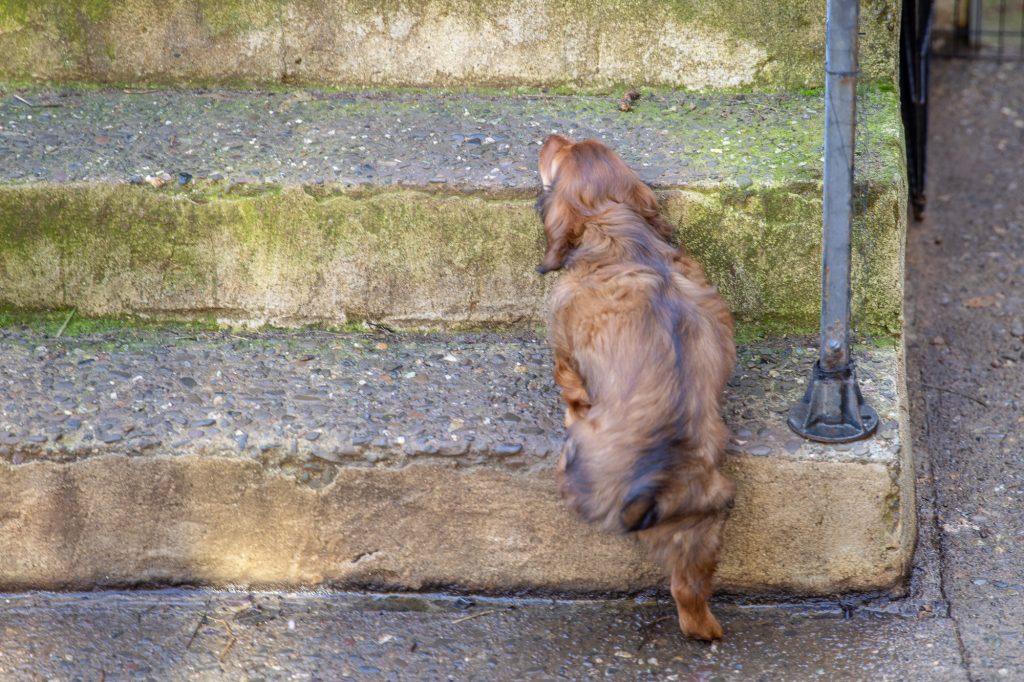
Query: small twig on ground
{"type": "Point", "coordinates": [954, 392]}
{"type": "Point", "coordinates": [472, 616]}
{"type": "Point", "coordinates": [660, 619]}
{"type": "Point", "coordinates": [201, 623]}
{"type": "Point", "coordinates": [66, 320]}
{"type": "Point", "coordinates": [330, 332]}
{"type": "Point", "coordinates": [33, 104]}
{"type": "Point", "coordinates": [227, 648]}
{"type": "Point", "coordinates": [231, 641]}
{"type": "Point", "coordinates": [380, 326]}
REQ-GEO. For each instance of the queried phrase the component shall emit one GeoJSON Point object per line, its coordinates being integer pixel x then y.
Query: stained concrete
{"type": "Point", "coordinates": [692, 44]}
{"type": "Point", "coordinates": [198, 635]}
{"type": "Point", "coordinates": [966, 344]}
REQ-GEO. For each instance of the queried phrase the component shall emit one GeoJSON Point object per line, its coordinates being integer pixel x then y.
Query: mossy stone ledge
{"type": "Point", "coordinates": [694, 44]}
{"type": "Point", "coordinates": [414, 208]}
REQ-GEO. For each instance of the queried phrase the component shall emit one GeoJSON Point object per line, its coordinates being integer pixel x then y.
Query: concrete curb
{"type": "Point", "coordinates": [800, 527]}
{"type": "Point", "coordinates": [79, 513]}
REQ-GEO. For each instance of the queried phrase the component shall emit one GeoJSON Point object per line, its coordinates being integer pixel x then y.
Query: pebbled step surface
{"type": "Point", "coordinates": [311, 401]}
{"type": "Point", "coordinates": [382, 138]}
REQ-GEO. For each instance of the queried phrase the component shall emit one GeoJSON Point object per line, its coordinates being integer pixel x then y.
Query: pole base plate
{"type": "Point", "coordinates": [832, 409]}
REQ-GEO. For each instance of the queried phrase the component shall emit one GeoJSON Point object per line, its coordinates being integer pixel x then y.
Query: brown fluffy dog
{"type": "Point", "coordinates": [643, 348]}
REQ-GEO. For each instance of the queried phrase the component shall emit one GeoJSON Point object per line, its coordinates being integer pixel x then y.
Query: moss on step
{"type": "Point", "coordinates": [680, 43]}
{"type": "Point", "coordinates": [125, 328]}
{"type": "Point", "coordinates": [70, 323]}
{"type": "Point", "coordinates": [407, 257]}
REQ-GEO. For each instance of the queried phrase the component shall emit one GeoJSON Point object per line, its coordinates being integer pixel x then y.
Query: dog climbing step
{"type": "Point", "coordinates": [294, 459]}
{"type": "Point", "coordinates": [301, 206]}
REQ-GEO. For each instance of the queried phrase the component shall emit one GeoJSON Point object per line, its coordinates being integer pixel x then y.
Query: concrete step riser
{"type": "Point", "coordinates": [439, 42]}
{"type": "Point", "coordinates": [406, 257]}
{"type": "Point", "coordinates": [121, 521]}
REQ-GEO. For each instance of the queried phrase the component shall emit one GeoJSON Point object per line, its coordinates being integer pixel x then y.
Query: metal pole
{"type": "Point", "coordinates": [832, 409]}
{"type": "Point", "coordinates": [840, 124]}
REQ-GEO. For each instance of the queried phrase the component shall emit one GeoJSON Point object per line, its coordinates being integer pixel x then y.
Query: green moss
{"type": "Point", "coordinates": [764, 253]}
{"type": "Point", "coordinates": [747, 43]}
{"type": "Point", "coordinates": [234, 16]}
{"type": "Point", "coordinates": [411, 258]}
{"type": "Point", "coordinates": [94, 10]}
{"type": "Point", "coordinates": [884, 341]}
{"type": "Point", "coordinates": [50, 322]}
{"type": "Point", "coordinates": [71, 324]}
{"type": "Point", "coordinates": [13, 14]}
{"type": "Point", "coordinates": [792, 34]}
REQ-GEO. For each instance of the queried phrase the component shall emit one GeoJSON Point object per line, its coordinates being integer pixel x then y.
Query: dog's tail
{"type": "Point", "coordinates": [625, 488]}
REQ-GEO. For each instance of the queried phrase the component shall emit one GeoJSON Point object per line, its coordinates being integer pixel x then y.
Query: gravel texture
{"type": "Point", "coordinates": [382, 138]}
{"type": "Point", "coordinates": [310, 401]}
{"type": "Point", "coordinates": [173, 635]}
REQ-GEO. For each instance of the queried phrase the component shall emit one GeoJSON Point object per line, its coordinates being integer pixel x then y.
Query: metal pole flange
{"type": "Point", "coordinates": [832, 409]}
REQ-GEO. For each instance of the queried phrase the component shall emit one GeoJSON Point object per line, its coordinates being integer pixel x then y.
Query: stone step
{"type": "Point", "coordinates": [292, 459]}
{"type": "Point", "coordinates": [500, 43]}
{"type": "Point", "coordinates": [414, 208]}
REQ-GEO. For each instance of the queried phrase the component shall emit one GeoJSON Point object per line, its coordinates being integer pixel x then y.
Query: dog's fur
{"type": "Point", "coordinates": [643, 347]}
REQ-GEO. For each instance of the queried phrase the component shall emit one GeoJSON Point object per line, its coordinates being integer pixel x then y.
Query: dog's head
{"type": "Point", "coordinates": [582, 180]}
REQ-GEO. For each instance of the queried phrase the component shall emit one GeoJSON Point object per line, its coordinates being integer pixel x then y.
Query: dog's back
{"type": "Point", "coordinates": [654, 362]}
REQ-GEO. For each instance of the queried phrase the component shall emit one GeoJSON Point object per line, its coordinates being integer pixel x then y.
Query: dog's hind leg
{"type": "Point", "coordinates": [691, 556]}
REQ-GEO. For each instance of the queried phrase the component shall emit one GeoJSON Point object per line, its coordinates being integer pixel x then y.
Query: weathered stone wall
{"type": "Point", "coordinates": [292, 255]}
{"type": "Point", "coordinates": [576, 43]}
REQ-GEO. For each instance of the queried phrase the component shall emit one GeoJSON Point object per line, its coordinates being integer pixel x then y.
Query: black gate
{"type": "Point", "coordinates": [915, 42]}
{"type": "Point", "coordinates": [980, 29]}
{"type": "Point", "coordinates": [976, 29]}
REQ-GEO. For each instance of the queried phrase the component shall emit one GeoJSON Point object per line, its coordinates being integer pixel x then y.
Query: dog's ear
{"type": "Point", "coordinates": [547, 163]}
{"type": "Point", "coordinates": [646, 204]}
{"type": "Point", "coordinates": [561, 226]}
